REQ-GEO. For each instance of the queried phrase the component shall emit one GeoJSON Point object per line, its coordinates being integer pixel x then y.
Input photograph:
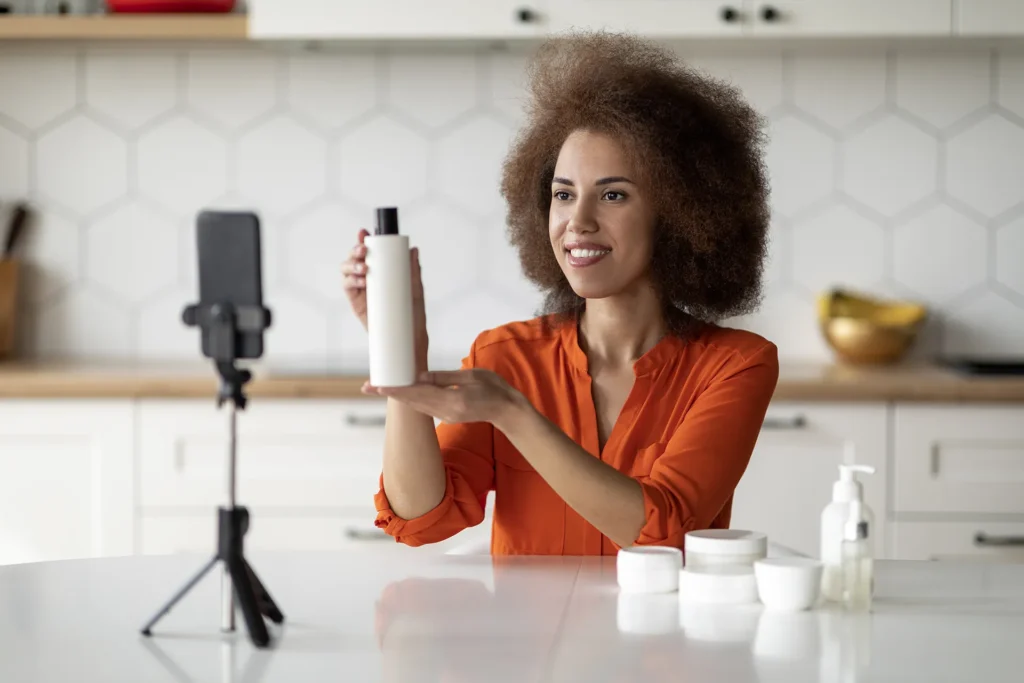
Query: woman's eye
{"type": "Point", "coordinates": [562, 195]}
{"type": "Point", "coordinates": [614, 196]}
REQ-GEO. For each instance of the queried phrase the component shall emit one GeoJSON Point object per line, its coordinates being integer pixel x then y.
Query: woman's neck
{"type": "Point", "coordinates": [618, 330]}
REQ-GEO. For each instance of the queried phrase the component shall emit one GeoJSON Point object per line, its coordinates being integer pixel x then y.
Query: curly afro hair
{"type": "Point", "coordinates": [695, 144]}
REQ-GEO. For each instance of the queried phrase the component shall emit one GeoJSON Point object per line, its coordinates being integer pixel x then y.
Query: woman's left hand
{"type": "Point", "coordinates": [459, 396]}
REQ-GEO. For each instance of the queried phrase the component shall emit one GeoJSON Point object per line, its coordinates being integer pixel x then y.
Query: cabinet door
{"type": "Point", "coordinates": [66, 479]}
{"type": "Point", "coordinates": [853, 18]}
{"type": "Point", "coordinates": [384, 19]}
{"type": "Point", "coordinates": [656, 18]}
{"type": "Point", "coordinates": [959, 459]}
{"type": "Point", "coordinates": [789, 479]}
{"type": "Point", "coordinates": [162, 535]}
{"type": "Point", "coordinates": [294, 455]}
{"type": "Point", "coordinates": [989, 18]}
{"type": "Point", "coordinates": [982, 541]}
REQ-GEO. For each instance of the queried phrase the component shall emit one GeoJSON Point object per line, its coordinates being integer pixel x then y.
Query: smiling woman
{"type": "Point", "coordinates": [624, 414]}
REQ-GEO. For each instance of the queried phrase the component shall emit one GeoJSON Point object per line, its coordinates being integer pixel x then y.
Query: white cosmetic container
{"type": "Point", "coordinates": [789, 584]}
{"type": "Point", "coordinates": [649, 569]}
{"type": "Point", "coordinates": [716, 547]}
{"type": "Point", "coordinates": [389, 307]}
{"type": "Point", "coordinates": [718, 585]}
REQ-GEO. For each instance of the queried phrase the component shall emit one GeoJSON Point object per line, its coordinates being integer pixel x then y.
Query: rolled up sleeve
{"type": "Point", "coordinates": [694, 479]}
{"type": "Point", "coordinates": [468, 453]}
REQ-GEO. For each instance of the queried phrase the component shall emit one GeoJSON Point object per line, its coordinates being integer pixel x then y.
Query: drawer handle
{"type": "Point", "coordinates": [366, 534]}
{"type": "Point", "coordinates": [365, 420]}
{"type": "Point", "coordinates": [795, 422]}
{"type": "Point", "coordinates": [983, 539]}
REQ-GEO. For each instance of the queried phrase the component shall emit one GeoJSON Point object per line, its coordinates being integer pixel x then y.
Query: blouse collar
{"type": "Point", "coordinates": [668, 348]}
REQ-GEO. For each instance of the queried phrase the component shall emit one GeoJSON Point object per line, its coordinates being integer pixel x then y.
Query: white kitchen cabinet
{"type": "Point", "coordinates": [304, 455]}
{"type": "Point", "coordinates": [966, 460]}
{"type": "Point", "coordinates": [656, 18]}
{"type": "Point", "coordinates": [306, 470]}
{"type": "Point", "coordinates": [988, 18]}
{"type": "Point", "coordinates": [789, 479]}
{"type": "Point", "coordinates": [66, 479]}
{"type": "Point", "coordinates": [982, 540]}
{"type": "Point", "coordinates": [852, 18]}
{"type": "Point", "coordinates": [395, 19]}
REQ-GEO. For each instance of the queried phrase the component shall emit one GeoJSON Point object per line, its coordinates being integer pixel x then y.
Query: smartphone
{"type": "Point", "coordinates": [230, 271]}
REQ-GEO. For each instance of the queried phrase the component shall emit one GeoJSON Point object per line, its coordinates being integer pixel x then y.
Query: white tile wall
{"type": "Point", "coordinates": [899, 172]}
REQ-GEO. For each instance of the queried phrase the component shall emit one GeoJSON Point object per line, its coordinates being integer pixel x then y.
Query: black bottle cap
{"type": "Point", "coordinates": [387, 221]}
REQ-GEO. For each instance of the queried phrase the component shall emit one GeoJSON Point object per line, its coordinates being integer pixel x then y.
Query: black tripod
{"type": "Point", "coordinates": [225, 324]}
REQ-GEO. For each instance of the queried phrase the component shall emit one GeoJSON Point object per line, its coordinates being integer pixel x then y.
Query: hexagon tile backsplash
{"type": "Point", "coordinates": [895, 172]}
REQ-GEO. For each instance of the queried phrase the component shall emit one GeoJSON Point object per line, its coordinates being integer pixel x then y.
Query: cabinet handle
{"type": "Point", "coordinates": [795, 422]}
{"type": "Point", "coordinates": [365, 534]}
{"type": "Point", "coordinates": [525, 15]}
{"type": "Point", "coordinates": [729, 14]}
{"type": "Point", "coordinates": [365, 420]}
{"type": "Point", "coordinates": [983, 539]}
{"type": "Point", "coordinates": [769, 13]}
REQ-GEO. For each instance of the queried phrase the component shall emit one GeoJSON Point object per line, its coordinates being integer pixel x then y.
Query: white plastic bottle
{"type": "Point", "coordinates": [389, 309]}
{"type": "Point", "coordinates": [858, 562]}
{"type": "Point", "coordinates": [833, 522]}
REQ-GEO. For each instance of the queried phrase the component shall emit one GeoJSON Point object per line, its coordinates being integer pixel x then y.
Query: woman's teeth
{"type": "Point", "coordinates": [588, 253]}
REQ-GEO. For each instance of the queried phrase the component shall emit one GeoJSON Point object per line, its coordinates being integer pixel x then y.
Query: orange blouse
{"type": "Point", "coordinates": [685, 433]}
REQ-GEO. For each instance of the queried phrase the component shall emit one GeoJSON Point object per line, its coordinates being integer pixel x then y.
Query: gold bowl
{"type": "Point", "coordinates": [865, 330]}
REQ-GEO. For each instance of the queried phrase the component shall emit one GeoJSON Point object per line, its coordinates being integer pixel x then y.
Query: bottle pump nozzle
{"type": "Point", "coordinates": [848, 488]}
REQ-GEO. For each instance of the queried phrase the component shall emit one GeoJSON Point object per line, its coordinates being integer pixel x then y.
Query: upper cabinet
{"type": "Point", "coordinates": [852, 18]}
{"type": "Point", "coordinates": [989, 17]}
{"type": "Point", "coordinates": [656, 18]}
{"type": "Point", "coordinates": [785, 18]}
{"type": "Point", "coordinates": [395, 19]}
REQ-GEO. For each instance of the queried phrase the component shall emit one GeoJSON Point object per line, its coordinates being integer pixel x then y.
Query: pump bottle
{"type": "Point", "coordinates": [389, 309]}
{"type": "Point", "coordinates": [858, 561]}
{"type": "Point", "coordinates": [845, 492]}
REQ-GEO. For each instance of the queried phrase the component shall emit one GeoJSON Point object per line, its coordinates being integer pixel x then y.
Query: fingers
{"type": "Point", "coordinates": [446, 378]}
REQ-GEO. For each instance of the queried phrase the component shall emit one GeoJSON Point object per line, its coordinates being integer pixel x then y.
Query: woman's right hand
{"type": "Point", "coordinates": [354, 270]}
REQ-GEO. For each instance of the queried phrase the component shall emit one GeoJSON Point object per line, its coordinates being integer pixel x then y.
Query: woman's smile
{"type": "Point", "coordinates": [583, 254]}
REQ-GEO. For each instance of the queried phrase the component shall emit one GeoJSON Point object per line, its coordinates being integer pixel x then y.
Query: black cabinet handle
{"type": "Point", "coordinates": [365, 420]}
{"type": "Point", "coordinates": [769, 13]}
{"type": "Point", "coordinates": [983, 539]}
{"type": "Point", "coordinates": [366, 534]}
{"type": "Point", "coordinates": [525, 15]}
{"type": "Point", "coordinates": [779, 423]}
{"type": "Point", "coordinates": [729, 14]}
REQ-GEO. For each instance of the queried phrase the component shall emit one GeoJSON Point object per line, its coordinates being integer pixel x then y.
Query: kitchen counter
{"type": "Point", "coordinates": [364, 617]}
{"type": "Point", "coordinates": [797, 382]}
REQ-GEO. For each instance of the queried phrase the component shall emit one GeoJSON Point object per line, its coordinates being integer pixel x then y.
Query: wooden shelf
{"type": "Point", "coordinates": [126, 27]}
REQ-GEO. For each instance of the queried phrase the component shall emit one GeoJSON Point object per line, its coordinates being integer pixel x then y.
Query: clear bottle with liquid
{"type": "Point", "coordinates": [858, 567]}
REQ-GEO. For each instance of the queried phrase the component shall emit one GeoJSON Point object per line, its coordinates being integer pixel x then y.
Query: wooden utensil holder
{"type": "Point", "coordinates": [8, 305]}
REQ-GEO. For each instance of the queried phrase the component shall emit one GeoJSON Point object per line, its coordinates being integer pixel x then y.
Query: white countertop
{"type": "Point", "coordinates": [371, 617]}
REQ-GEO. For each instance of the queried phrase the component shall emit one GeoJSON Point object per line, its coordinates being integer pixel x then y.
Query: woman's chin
{"type": "Point", "coordinates": [592, 290]}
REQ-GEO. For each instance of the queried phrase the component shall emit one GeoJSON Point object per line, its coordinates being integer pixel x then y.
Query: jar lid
{"type": "Point", "coordinates": [727, 542]}
{"type": "Point", "coordinates": [718, 584]}
{"type": "Point", "coordinates": [649, 569]}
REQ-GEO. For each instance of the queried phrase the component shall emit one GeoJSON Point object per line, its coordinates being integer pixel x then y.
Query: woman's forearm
{"type": "Point", "coordinates": [414, 476]}
{"type": "Point", "coordinates": [610, 500]}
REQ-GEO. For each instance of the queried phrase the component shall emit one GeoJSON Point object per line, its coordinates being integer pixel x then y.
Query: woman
{"type": "Point", "coordinates": [624, 415]}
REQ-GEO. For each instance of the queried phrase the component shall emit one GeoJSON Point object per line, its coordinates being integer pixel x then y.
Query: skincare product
{"type": "Point", "coordinates": [833, 519]}
{"type": "Point", "coordinates": [389, 306]}
{"type": "Point", "coordinates": [858, 562]}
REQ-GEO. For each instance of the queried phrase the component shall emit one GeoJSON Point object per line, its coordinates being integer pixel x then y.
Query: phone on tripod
{"type": "Point", "coordinates": [230, 273]}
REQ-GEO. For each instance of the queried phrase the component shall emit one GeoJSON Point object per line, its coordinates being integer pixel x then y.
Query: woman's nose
{"type": "Point", "coordinates": [582, 219]}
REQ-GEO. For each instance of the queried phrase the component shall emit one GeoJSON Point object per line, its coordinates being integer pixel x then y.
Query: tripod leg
{"type": "Point", "coordinates": [246, 594]}
{"type": "Point", "coordinates": [266, 603]}
{"type": "Point", "coordinates": [174, 601]}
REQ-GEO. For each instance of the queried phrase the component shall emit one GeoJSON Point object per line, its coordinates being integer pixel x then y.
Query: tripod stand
{"type": "Point", "coordinates": [225, 323]}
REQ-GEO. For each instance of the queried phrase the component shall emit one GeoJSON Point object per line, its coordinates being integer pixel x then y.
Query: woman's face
{"type": "Point", "coordinates": [600, 222]}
